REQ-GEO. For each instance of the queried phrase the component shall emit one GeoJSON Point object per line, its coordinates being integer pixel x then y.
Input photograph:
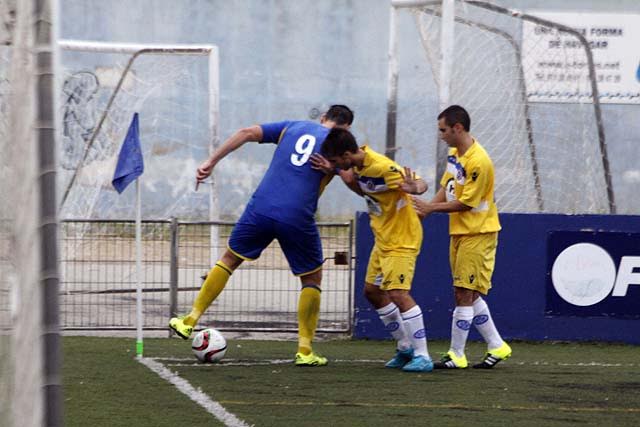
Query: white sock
{"type": "Point", "coordinates": [484, 324]}
{"type": "Point", "coordinates": [414, 325]}
{"type": "Point", "coordinates": [460, 325]}
{"type": "Point", "coordinates": [390, 316]}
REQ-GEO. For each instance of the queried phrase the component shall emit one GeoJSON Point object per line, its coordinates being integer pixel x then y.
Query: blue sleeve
{"type": "Point", "coordinates": [271, 132]}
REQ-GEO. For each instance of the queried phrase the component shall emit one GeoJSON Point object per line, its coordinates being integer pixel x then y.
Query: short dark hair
{"type": "Point", "coordinates": [338, 142]}
{"type": "Point", "coordinates": [456, 114]}
{"type": "Point", "coordinates": [340, 114]}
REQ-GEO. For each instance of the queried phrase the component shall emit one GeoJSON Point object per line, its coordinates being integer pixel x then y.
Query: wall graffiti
{"type": "Point", "coordinates": [79, 93]}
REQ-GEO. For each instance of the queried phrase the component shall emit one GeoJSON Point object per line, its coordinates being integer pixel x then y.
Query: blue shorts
{"type": "Point", "coordinates": [300, 243]}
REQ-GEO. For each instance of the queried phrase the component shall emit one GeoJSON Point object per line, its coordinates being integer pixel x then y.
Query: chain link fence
{"type": "Point", "coordinates": [98, 290]}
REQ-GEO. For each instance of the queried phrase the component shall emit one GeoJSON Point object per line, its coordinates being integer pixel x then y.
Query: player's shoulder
{"type": "Point", "coordinates": [380, 164]}
{"type": "Point", "coordinates": [480, 155]}
{"type": "Point", "coordinates": [304, 124]}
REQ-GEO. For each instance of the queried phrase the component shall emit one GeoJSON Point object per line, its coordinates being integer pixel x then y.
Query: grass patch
{"type": "Point", "coordinates": [543, 384]}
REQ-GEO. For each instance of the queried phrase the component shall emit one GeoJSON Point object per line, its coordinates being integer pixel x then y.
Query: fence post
{"type": "Point", "coordinates": [173, 270]}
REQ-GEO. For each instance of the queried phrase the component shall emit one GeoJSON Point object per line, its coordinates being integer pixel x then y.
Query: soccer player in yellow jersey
{"type": "Point", "coordinates": [398, 237]}
{"type": "Point", "coordinates": [466, 194]}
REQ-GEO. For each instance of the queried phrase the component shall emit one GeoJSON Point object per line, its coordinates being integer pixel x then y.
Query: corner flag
{"type": "Point", "coordinates": [130, 165]}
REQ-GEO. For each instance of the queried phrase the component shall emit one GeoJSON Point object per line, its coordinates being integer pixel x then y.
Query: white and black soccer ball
{"type": "Point", "coordinates": [209, 345]}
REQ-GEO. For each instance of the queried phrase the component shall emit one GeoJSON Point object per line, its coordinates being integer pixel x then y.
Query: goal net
{"type": "Point", "coordinates": [542, 130]}
{"type": "Point", "coordinates": [173, 88]}
{"type": "Point", "coordinates": [30, 392]}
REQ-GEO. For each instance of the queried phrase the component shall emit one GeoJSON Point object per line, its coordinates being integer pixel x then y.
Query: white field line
{"type": "Point", "coordinates": [172, 361]}
{"type": "Point", "coordinates": [214, 408]}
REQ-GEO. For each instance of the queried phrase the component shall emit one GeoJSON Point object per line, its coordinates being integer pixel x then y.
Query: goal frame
{"type": "Point", "coordinates": [448, 16]}
{"type": "Point", "coordinates": [136, 50]}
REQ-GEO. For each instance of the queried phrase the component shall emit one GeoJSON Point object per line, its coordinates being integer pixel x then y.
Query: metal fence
{"type": "Point", "coordinates": [98, 290]}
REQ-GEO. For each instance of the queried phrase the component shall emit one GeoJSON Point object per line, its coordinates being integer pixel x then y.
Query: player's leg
{"type": "Point", "coordinates": [302, 248]}
{"type": "Point", "coordinates": [308, 314]}
{"type": "Point", "coordinates": [463, 312]}
{"type": "Point", "coordinates": [214, 283]}
{"type": "Point", "coordinates": [249, 237]}
{"type": "Point", "coordinates": [388, 312]}
{"type": "Point", "coordinates": [398, 275]}
{"type": "Point", "coordinates": [391, 318]}
{"type": "Point", "coordinates": [497, 349]}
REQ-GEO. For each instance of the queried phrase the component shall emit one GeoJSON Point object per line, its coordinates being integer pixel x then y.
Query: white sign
{"type": "Point", "coordinates": [555, 63]}
{"type": "Point", "coordinates": [584, 274]}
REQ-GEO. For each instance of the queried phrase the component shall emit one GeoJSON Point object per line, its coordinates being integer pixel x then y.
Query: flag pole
{"type": "Point", "coordinates": [129, 168]}
{"type": "Point", "coordinates": [139, 319]}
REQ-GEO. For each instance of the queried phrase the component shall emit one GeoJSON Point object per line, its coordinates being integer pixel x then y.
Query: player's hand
{"type": "Point", "coordinates": [421, 206]}
{"type": "Point", "coordinates": [318, 162]}
{"type": "Point", "coordinates": [203, 172]}
{"type": "Point", "coordinates": [409, 182]}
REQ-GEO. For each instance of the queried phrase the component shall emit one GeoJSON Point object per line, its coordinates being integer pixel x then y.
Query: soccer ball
{"type": "Point", "coordinates": [209, 345]}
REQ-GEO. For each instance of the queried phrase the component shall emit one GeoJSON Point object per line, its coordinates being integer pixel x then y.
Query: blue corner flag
{"type": "Point", "coordinates": [130, 165]}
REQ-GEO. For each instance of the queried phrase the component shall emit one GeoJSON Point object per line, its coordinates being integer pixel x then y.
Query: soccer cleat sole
{"type": "Point", "coordinates": [490, 361]}
{"type": "Point", "coordinates": [448, 362]}
{"type": "Point", "coordinates": [180, 334]}
{"type": "Point", "coordinates": [447, 365]}
{"type": "Point", "coordinates": [316, 361]}
{"type": "Point", "coordinates": [310, 365]}
{"type": "Point", "coordinates": [400, 359]}
{"type": "Point", "coordinates": [418, 364]}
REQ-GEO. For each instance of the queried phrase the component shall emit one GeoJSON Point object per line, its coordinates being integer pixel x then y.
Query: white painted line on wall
{"type": "Point", "coordinates": [213, 407]}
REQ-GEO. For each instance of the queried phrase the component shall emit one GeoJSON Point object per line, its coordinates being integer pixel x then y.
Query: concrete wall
{"type": "Point", "coordinates": [290, 59]}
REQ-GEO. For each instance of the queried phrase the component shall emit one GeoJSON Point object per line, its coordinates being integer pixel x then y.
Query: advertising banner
{"type": "Point", "coordinates": [555, 65]}
{"type": "Point", "coordinates": [593, 274]}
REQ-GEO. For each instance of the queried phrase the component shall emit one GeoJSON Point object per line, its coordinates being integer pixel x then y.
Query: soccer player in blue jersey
{"type": "Point", "coordinates": [282, 208]}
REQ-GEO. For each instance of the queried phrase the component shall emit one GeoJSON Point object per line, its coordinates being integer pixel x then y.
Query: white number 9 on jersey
{"type": "Point", "coordinates": [304, 149]}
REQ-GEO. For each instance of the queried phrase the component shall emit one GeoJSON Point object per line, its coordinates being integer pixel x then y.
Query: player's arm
{"type": "Point", "coordinates": [422, 206]}
{"type": "Point", "coordinates": [440, 196]}
{"type": "Point", "coordinates": [350, 178]}
{"type": "Point", "coordinates": [439, 203]}
{"type": "Point", "coordinates": [240, 137]}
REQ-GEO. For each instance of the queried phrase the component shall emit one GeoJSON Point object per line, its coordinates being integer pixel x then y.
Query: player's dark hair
{"type": "Point", "coordinates": [338, 142]}
{"type": "Point", "coordinates": [456, 114]}
{"type": "Point", "coordinates": [340, 114]}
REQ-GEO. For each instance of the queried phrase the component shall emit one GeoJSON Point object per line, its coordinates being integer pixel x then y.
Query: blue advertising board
{"type": "Point", "coordinates": [523, 301]}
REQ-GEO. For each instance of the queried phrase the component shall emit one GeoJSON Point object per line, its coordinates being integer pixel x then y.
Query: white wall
{"type": "Point", "coordinates": [285, 59]}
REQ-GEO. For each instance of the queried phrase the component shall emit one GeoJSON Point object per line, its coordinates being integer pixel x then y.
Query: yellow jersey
{"type": "Point", "coordinates": [394, 221]}
{"type": "Point", "coordinates": [470, 180]}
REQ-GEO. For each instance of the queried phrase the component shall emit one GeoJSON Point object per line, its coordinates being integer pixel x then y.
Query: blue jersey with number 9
{"type": "Point", "coordinates": [290, 189]}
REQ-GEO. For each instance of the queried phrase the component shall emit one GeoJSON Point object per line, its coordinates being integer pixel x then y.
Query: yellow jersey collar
{"type": "Point", "coordinates": [367, 159]}
{"type": "Point", "coordinates": [471, 150]}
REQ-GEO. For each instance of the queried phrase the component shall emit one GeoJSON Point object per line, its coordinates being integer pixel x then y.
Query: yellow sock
{"type": "Point", "coordinates": [308, 312]}
{"type": "Point", "coordinates": [211, 288]}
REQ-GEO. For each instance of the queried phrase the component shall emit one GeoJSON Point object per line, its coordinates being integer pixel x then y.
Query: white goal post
{"type": "Point", "coordinates": [30, 391]}
{"type": "Point", "coordinates": [104, 87]}
{"type": "Point", "coordinates": [548, 146]}
{"type": "Point", "coordinates": [173, 89]}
